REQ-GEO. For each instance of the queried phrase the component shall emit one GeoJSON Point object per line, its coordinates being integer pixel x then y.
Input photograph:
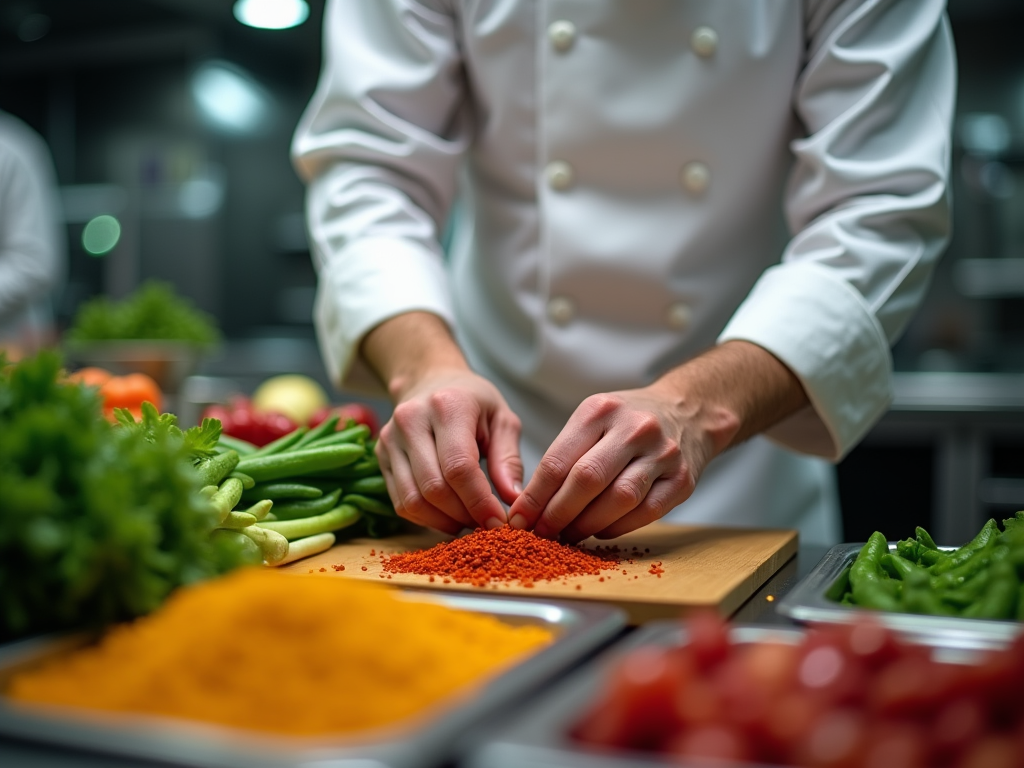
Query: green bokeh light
{"type": "Point", "coordinates": [101, 235]}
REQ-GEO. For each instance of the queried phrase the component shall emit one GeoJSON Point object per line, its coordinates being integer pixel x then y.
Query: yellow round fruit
{"type": "Point", "coordinates": [296, 396]}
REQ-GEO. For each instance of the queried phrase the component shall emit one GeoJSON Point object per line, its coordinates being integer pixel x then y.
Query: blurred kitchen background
{"type": "Point", "coordinates": [175, 118]}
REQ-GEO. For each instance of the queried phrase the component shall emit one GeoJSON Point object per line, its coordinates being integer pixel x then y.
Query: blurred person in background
{"type": "Point", "coordinates": [621, 302]}
{"type": "Point", "coordinates": [33, 251]}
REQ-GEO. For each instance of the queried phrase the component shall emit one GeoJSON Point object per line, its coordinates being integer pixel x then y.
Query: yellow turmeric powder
{"type": "Point", "coordinates": [291, 654]}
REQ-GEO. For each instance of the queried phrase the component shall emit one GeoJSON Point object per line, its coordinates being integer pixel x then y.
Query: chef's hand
{"type": "Point", "coordinates": [624, 459]}
{"type": "Point", "coordinates": [445, 418]}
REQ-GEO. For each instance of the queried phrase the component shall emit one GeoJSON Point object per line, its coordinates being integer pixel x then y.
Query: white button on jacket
{"type": "Point", "coordinates": [834, 114]}
{"type": "Point", "coordinates": [562, 34]}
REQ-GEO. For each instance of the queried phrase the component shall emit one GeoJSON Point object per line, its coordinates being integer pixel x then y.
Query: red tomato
{"type": "Point", "coordinates": [715, 742]}
{"type": "Point", "coordinates": [638, 708]}
{"type": "Point", "coordinates": [708, 638]}
{"type": "Point", "coordinates": [888, 744]}
{"type": "Point", "coordinates": [357, 412]}
{"type": "Point", "coordinates": [91, 376]}
{"type": "Point", "coordinates": [239, 419]}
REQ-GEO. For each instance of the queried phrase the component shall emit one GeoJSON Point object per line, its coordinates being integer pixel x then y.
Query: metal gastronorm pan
{"type": "Point", "coordinates": [579, 629]}
{"type": "Point", "coordinates": [539, 736]}
{"type": "Point", "coordinates": [808, 602]}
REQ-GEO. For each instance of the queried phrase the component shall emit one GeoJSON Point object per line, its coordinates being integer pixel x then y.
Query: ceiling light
{"type": "Point", "coordinates": [230, 98]}
{"type": "Point", "coordinates": [271, 14]}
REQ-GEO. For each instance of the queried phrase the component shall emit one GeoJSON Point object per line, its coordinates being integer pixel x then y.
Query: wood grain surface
{"type": "Point", "coordinates": [703, 567]}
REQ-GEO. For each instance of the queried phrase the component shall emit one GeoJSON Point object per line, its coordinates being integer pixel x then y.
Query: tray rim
{"type": "Point", "coordinates": [806, 603]}
{"type": "Point", "coordinates": [422, 741]}
{"type": "Point", "coordinates": [538, 737]}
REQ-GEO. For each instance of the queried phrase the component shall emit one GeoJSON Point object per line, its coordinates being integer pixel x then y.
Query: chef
{"type": "Point", "coordinates": [32, 247]}
{"type": "Point", "coordinates": [622, 260]}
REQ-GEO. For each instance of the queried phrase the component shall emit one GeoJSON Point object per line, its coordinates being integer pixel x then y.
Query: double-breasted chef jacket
{"type": "Point", "coordinates": [633, 181]}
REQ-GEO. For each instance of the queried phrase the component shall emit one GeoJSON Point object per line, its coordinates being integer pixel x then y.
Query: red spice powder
{"type": "Point", "coordinates": [503, 555]}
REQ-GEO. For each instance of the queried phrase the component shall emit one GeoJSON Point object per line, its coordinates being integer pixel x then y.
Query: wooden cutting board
{"type": "Point", "coordinates": [704, 567]}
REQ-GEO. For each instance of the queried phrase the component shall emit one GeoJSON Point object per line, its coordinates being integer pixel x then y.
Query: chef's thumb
{"type": "Point", "coordinates": [504, 464]}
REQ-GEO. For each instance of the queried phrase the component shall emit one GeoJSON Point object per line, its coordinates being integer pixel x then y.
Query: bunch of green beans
{"type": "Point", "coordinates": [288, 499]}
{"type": "Point", "coordinates": [983, 579]}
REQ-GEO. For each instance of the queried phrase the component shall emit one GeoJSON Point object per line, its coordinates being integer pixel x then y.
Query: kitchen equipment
{"type": "Point", "coordinates": [808, 602]}
{"type": "Point", "coordinates": [703, 567]}
{"type": "Point", "coordinates": [539, 735]}
{"type": "Point", "coordinates": [579, 629]}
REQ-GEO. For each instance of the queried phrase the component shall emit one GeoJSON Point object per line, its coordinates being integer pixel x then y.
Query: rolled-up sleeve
{"type": "Point", "coordinates": [379, 146]}
{"type": "Point", "coordinates": [31, 239]}
{"type": "Point", "coordinates": [868, 203]}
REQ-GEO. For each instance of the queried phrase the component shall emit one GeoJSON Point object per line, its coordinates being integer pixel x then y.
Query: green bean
{"type": "Point", "coordinates": [356, 434]}
{"type": "Point", "coordinates": [325, 427]}
{"type": "Point", "coordinates": [241, 447]}
{"type": "Point", "coordinates": [341, 516]}
{"type": "Point", "coordinates": [373, 485]}
{"type": "Point", "coordinates": [294, 510]}
{"type": "Point", "coordinates": [282, 490]}
{"type": "Point", "coordinates": [362, 468]}
{"type": "Point", "coordinates": [870, 585]}
{"type": "Point", "coordinates": [924, 538]}
{"type": "Point", "coordinates": [301, 462]}
{"type": "Point", "coordinates": [984, 537]}
{"type": "Point", "coordinates": [999, 600]}
{"type": "Point", "coordinates": [282, 443]}
{"type": "Point", "coordinates": [367, 504]}
{"type": "Point", "coordinates": [968, 592]}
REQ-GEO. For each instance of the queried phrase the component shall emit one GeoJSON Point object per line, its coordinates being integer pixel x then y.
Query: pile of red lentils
{"type": "Point", "coordinates": [506, 555]}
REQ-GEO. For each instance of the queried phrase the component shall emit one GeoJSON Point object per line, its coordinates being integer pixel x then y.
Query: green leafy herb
{"type": "Point", "coordinates": [154, 311]}
{"type": "Point", "coordinates": [97, 524]}
{"type": "Point", "coordinates": [199, 442]}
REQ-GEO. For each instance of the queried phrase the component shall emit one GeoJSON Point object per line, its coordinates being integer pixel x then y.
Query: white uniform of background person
{"type": "Point", "coordinates": [32, 242]}
{"type": "Point", "coordinates": [626, 171]}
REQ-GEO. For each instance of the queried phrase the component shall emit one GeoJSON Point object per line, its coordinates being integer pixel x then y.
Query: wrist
{"type": "Point", "coordinates": [733, 391]}
{"type": "Point", "coordinates": [409, 348]}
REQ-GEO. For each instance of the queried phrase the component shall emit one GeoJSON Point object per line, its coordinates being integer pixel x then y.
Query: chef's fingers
{"type": "Point", "coordinates": [504, 464]}
{"type": "Point", "coordinates": [665, 495]}
{"type": "Point", "coordinates": [430, 481]}
{"type": "Point", "coordinates": [579, 435]}
{"type": "Point", "coordinates": [409, 502]}
{"type": "Point", "coordinates": [458, 455]}
{"type": "Point", "coordinates": [588, 478]}
{"type": "Point", "coordinates": [625, 493]}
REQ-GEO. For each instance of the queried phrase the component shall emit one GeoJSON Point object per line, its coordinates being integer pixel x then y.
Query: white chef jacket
{"type": "Point", "coordinates": [32, 243]}
{"type": "Point", "coordinates": [636, 181]}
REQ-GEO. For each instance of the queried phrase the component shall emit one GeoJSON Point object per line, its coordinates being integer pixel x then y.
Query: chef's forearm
{"type": "Point", "coordinates": [407, 347]}
{"type": "Point", "coordinates": [733, 392]}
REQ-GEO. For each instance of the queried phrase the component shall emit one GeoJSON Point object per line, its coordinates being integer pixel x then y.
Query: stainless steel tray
{"type": "Point", "coordinates": [539, 736]}
{"type": "Point", "coordinates": [808, 602]}
{"type": "Point", "coordinates": [580, 629]}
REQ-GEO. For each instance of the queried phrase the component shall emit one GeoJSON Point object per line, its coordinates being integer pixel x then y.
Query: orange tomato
{"type": "Point", "coordinates": [91, 376]}
{"type": "Point", "coordinates": [130, 392]}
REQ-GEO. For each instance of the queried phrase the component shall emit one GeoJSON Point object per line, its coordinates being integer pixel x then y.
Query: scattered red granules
{"type": "Point", "coordinates": [338, 567]}
{"type": "Point", "coordinates": [503, 554]}
{"type": "Point", "coordinates": [656, 569]}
